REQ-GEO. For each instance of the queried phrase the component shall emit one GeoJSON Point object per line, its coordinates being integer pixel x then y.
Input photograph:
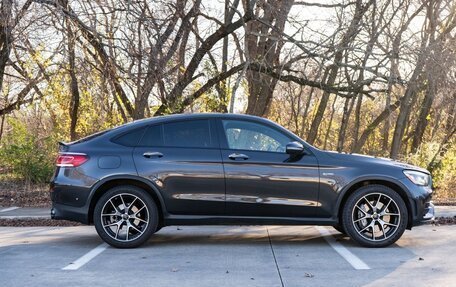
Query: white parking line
{"type": "Point", "coordinates": [81, 261]}
{"type": "Point", "coordinates": [351, 258]}
{"type": "Point", "coordinates": [9, 209]}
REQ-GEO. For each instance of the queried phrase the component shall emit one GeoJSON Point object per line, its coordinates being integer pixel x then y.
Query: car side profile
{"type": "Point", "coordinates": [209, 169]}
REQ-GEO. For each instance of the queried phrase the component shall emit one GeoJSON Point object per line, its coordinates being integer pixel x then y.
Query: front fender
{"type": "Point", "coordinates": [391, 182]}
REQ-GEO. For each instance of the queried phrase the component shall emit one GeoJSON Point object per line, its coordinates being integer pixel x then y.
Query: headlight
{"type": "Point", "coordinates": [417, 177]}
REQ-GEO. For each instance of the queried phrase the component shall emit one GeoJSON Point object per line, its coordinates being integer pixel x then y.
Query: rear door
{"type": "Point", "coordinates": [183, 159]}
{"type": "Point", "coordinates": [261, 179]}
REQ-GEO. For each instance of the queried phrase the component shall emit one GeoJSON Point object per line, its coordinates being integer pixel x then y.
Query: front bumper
{"type": "Point", "coordinates": [429, 212]}
{"type": "Point", "coordinates": [421, 207]}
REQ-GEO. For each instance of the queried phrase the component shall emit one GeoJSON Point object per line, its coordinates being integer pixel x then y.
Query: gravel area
{"type": "Point", "coordinates": [22, 222]}
{"type": "Point", "coordinates": [443, 221]}
{"type": "Point", "coordinates": [16, 195]}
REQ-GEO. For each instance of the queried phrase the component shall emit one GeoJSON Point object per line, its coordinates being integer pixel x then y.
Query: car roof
{"type": "Point", "coordinates": [190, 116]}
{"type": "Point", "coordinates": [204, 115]}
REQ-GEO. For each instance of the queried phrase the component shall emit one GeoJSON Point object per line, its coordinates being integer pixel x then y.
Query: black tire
{"type": "Point", "coordinates": [127, 207]}
{"type": "Point", "coordinates": [340, 229]}
{"type": "Point", "coordinates": [375, 216]}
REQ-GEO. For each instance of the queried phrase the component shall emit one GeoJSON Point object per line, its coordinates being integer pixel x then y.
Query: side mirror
{"type": "Point", "coordinates": [294, 148]}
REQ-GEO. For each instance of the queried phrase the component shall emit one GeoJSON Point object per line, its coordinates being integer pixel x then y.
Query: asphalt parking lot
{"type": "Point", "coordinates": [225, 256]}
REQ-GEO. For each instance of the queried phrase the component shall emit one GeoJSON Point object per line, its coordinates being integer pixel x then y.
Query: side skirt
{"type": "Point", "coordinates": [243, 220]}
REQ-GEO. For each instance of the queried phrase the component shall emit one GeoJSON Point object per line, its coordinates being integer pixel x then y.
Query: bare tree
{"type": "Point", "coordinates": [264, 45]}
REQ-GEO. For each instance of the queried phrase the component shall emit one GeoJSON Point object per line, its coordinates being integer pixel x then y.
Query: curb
{"type": "Point", "coordinates": [24, 217]}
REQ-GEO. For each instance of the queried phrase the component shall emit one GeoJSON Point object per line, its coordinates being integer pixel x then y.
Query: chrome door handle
{"type": "Point", "coordinates": [150, 154]}
{"type": "Point", "coordinates": [238, 156]}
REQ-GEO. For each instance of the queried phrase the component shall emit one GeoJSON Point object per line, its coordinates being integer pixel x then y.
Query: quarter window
{"type": "Point", "coordinates": [130, 139]}
{"type": "Point", "coordinates": [244, 135]}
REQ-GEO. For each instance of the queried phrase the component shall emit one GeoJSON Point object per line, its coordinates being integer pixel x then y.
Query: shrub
{"type": "Point", "coordinates": [26, 156]}
{"type": "Point", "coordinates": [443, 175]}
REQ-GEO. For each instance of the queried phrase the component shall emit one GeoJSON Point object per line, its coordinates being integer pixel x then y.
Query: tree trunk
{"type": "Point", "coordinates": [348, 107]}
{"type": "Point", "coordinates": [5, 36]}
{"type": "Point", "coordinates": [2, 125]}
{"type": "Point", "coordinates": [370, 128]}
{"type": "Point", "coordinates": [313, 132]}
{"type": "Point", "coordinates": [386, 127]}
{"type": "Point", "coordinates": [333, 110]}
{"type": "Point", "coordinates": [262, 44]}
{"type": "Point", "coordinates": [423, 120]}
{"type": "Point", "coordinates": [74, 103]}
{"type": "Point", "coordinates": [405, 108]}
{"type": "Point", "coordinates": [223, 85]}
{"type": "Point", "coordinates": [357, 119]}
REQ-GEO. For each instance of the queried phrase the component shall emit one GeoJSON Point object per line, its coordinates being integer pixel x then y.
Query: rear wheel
{"type": "Point", "coordinates": [125, 217]}
{"type": "Point", "coordinates": [375, 216]}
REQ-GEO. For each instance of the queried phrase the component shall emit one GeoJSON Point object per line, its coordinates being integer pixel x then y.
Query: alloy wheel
{"type": "Point", "coordinates": [124, 217]}
{"type": "Point", "coordinates": [376, 217]}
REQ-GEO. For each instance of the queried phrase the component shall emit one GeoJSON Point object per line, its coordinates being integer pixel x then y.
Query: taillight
{"type": "Point", "coordinates": [71, 159]}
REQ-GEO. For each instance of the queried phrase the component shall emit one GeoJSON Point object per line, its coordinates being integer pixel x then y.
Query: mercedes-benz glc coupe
{"type": "Point", "coordinates": [208, 169]}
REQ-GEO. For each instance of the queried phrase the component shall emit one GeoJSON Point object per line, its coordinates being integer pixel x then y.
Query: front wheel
{"type": "Point", "coordinates": [375, 216]}
{"type": "Point", "coordinates": [339, 228]}
{"type": "Point", "coordinates": [125, 217]}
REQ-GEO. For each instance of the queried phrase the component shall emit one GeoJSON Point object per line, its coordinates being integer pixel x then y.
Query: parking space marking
{"type": "Point", "coordinates": [81, 261]}
{"type": "Point", "coordinates": [9, 209]}
{"type": "Point", "coordinates": [351, 258]}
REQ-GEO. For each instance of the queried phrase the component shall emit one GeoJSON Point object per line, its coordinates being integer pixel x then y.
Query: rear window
{"type": "Point", "coordinates": [89, 137]}
{"type": "Point", "coordinates": [130, 138]}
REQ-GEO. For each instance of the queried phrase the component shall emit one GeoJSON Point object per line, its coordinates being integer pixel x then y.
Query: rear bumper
{"type": "Point", "coordinates": [66, 212]}
{"type": "Point", "coordinates": [69, 195]}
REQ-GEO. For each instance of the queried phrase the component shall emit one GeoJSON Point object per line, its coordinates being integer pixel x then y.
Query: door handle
{"type": "Point", "coordinates": [238, 156]}
{"type": "Point", "coordinates": [150, 154]}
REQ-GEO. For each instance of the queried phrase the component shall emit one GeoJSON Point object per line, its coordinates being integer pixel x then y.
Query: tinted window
{"type": "Point", "coordinates": [153, 136]}
{"type": "Point", "coordinates": [187, 134]}
{"type": "Point", "coordinates": [130, 138]}
{"type": "Point", "coordinates": [246, 135]}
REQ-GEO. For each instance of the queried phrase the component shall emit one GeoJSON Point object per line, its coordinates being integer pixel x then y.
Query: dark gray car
{"type": "Point", "coordinates": [204, 169]}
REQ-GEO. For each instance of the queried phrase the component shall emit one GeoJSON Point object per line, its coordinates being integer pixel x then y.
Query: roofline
{"type": "Point", "coordinates": [166, 118]}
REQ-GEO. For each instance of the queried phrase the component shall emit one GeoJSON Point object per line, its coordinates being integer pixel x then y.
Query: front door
{"type": "Point", "coordinates": [183, 160]}
{"type": "Point", "coordinates": [263, 180]}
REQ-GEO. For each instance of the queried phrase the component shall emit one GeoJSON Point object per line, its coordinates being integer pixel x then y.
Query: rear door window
{"type": "Point", "coordinates": [194, 133]}
{"type": "Point", "coordinates": [153, 136]}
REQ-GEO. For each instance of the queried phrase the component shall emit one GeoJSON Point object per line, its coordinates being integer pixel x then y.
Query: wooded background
{"type": "Point", "coordinates": [364, 76]}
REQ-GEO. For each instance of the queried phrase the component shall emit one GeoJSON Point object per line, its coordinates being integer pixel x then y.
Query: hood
{"type": "Point", "coordinates": [373, 160]}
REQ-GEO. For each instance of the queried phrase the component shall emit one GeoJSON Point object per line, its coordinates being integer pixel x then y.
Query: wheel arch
{"type": "Point", "coordinates": [388, 182]}
{"type": "Point", "coordinates": [105, 184]}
